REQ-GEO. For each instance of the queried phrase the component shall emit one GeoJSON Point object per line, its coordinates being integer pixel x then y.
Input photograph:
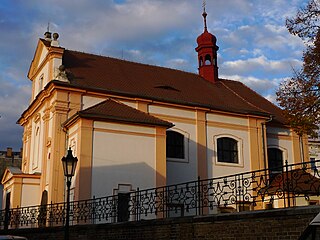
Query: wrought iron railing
{"type": "Point", "coordinates": [289, 186]}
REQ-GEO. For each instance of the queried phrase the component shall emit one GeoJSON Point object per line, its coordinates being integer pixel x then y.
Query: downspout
{"type": "Point", "coordinates": [264, 131]}
{"type": "Point", "coordinates": [64, 129]}
{"type": "Point", "coordinates": [301, 148]}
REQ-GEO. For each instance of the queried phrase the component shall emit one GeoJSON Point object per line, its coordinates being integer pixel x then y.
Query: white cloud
{"type": "Point", "coordinates": [130, 21]}
{"type": "Point", "coordinates": [265, 87]}
{"type": "Point", "coordinates": [257, 52]}
{"type": "Point", "coordinates": [272, 98]}
{"type": "Point", "coordinates": [260, 64]}
{"type": "Point", "coordinates": [261, 86]}
{"type": "Point", "coordinates": [177, 63]}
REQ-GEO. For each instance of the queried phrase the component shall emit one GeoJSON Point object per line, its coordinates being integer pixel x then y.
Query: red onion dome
{"type": "Point", "coordinates": [206, 38]}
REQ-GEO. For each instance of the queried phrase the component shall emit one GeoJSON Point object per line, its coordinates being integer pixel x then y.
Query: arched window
{"type": "Point", "coordinates": [200, 61]}
{"type": "Point", "coordinates": [207, 60]}
{"type": "Point", "coordinates": [175, 145]}
{"type": "Point", "coordinates": [227, 150]}
{"type": "Point", "coordinates": [275, 160]}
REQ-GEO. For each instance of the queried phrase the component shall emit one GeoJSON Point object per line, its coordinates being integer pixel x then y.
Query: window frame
{"type": "Point", "coordinates": [229, 150]}
{"type": "Point", "coordinates": [186, 138]}
{"type": "Point", "coordinates": [239, 141]}
{"type": "Point", "coordinates": [124, 189]}
{"type": "Point", "coordinates": [284, 153]}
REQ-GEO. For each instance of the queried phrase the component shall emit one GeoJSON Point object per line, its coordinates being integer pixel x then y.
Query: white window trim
{"type": "Point", "coordinates": [240, 151]}
{"type": "Point", "coordinates": [186, 146]}
{"type": "Point", "coordinates": [123, 188]}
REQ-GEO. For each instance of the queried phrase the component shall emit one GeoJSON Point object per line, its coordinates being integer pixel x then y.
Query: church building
{"type": "Point", "coordinates": [134, 125]}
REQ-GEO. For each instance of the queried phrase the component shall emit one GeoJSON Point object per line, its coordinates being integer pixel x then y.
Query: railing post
{"type": "Point", "coordinates": [6, 218]}
{"type": "Point", "coordinates": [166, 202]}
{"type": "Point", "coordinates": [94, 210]}
{"type": "Point", "coordinates": [199, 197]}
{"type": "Point", "coordinates": [237, 191]}
{"type": "Point", "coordinates": [51, 215]}
{"type": "Point", "coordinates": [242, 191]}
{"type": "Point", "coordinates": [138, 204]}
{"type": "Point", "coordinates": [287, 183]}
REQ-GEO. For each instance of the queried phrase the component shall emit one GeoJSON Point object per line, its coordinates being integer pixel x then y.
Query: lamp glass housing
{"type": "Point", "coordinates": [69, 164]}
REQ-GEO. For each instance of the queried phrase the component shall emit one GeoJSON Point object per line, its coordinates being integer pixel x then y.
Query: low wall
{"type": "Point", "coordinates": [268, 224]}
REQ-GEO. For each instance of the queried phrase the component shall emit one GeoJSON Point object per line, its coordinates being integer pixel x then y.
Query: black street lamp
{"type": "Point", "coordinates": [69, 164]}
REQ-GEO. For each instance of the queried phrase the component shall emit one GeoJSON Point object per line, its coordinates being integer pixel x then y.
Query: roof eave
{"type": "Point", "coordinates": [126, 94]}
{"type": "Point", "coordinates": [123, 120]}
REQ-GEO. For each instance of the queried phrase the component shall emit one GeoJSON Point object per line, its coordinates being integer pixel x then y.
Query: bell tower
{"type": "Point", "coordinates": [207, 53]}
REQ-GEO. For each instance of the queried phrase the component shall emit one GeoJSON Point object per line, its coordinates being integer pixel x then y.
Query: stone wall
{"type": "Point", "coordinates": [267, 224]}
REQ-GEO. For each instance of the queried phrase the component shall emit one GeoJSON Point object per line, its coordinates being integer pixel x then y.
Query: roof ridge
{"type": "Point", "coordinates": [241, 96]}
{"type": "Point", "coordinates": [133, 62]}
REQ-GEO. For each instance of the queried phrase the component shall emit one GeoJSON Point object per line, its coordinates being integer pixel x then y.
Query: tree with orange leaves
{"type": "Point", "coordinates": [300, 96]}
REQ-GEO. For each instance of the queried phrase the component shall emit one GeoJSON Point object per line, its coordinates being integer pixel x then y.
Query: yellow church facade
{"type": "Point", "coordinates": [133, 126]}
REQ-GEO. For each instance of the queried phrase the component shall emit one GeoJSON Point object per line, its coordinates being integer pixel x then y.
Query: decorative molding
{"type": "Point", "coordinates": [240, 151]}
{"type": "Point", "coordinates": [48, 142]}
{"type": "Point", "coordinates": [37, 118]}
{"type": "Point", "coordinates": [46, 115]}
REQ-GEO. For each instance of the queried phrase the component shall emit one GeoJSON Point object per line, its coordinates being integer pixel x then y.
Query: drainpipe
{"type": "Point", "coordinates": [301, 148]}
{"type": "Point", "coordinates": [64, 129]}
{"type": "Point", "coordinates": [264, 130]}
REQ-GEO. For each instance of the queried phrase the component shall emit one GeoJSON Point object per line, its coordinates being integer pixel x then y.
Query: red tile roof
{"type": "Point", "coordinates": [120, 77]}
{"type": "Point", "coordinates": [115, 111]}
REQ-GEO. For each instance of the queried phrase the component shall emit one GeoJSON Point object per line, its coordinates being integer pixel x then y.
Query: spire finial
{"type": "Point", "coordinates": [204, 14]}
{"type": "Point", "coordinates": [47, 34]}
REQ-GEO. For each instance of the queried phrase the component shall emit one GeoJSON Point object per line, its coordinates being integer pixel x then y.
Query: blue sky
{"type": "Point", "coordinates": [255, 46]}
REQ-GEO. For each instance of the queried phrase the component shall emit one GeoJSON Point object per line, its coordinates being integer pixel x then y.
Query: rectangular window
{"type": "Point", "coordinates": [175, 145]}
{"type": "Point", "coordinates": [227, 150]}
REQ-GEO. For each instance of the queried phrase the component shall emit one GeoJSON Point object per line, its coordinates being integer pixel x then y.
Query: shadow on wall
{"type": "Point", "coordinates": [186, 169]}
{"type": "Point", "coordinates": [107, 179]}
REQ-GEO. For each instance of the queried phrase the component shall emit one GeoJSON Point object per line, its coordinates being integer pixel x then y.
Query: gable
{"type": "Point", "coordinates": [6, 176]}
{"type": "Point", "coordinates": [38, 58]}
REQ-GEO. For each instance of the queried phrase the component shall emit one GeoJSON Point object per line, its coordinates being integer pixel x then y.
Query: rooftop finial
{"type": "Point", "coordinates": [204, 14]}
{"type": "Point", "coordinates": [47, 34]}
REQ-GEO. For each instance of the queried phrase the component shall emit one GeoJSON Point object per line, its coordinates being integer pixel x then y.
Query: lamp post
{"type": "Point", "coordinates": [69, 164]}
